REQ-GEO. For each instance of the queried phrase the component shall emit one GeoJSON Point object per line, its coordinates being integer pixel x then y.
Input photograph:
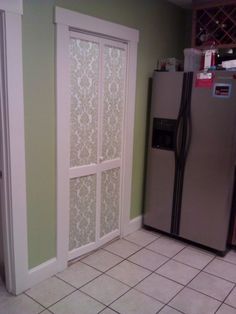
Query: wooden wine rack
{"type": "Point", "coordinates": [214, 25]}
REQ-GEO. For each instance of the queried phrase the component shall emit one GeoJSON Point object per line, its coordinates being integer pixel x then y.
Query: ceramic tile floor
{"type": "Point", "coordinates": [145, 273]}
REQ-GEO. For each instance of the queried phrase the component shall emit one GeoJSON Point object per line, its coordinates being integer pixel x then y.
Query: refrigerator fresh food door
{"type": "Point", "coordinates": [166, 98]}
{"type": "Point", "coordinates": [209, 169]}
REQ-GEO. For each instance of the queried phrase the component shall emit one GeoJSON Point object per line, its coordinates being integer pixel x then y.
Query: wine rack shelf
{"type": "Point", "coordinates": [215, 26]}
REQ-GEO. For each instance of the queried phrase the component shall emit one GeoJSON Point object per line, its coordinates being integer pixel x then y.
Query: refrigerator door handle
{"type": "Point", "coordinates": [188, 116]}
{"type": "Point", "coordinates": [181, 121]}
{"type": "Point", "coordinates": [189, 136]}
{"type": "Point", "coordinates": [178, 138]}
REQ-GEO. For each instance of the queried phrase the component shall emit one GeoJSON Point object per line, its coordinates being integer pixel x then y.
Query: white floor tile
{"type": "Point", "coordinates": [168, 310]}
{"type": "Point", "coordinates": [148, 259]}
{"type": "Point", "coordinates": [122, 248]}
{"type": "Point", "coordinates": [75, 303]}
{"type": "Point", "coordinates": [134, 302]}
{"type": "Point", "coordinates": [128, 273]}
{"type": "Point", "coordinates": [141, 237]}
{"type": "Point", "coordinates": [192, 302]}
{"type": "Point", "coordinates": [222, 269]}
{"type": "Point", "coordinates": [4, 295]}
{"type": "Point", "coordinates": [194, 257]}
{"type": "Point", "coordinates": [108, 311]}
{"type": "Point", "coordinates": [102, 260]}
{"type": "Point", "coordinates": [213, 286]}
{"type": "Point", "coordinates": [105, 289]}
{"type": "Point", "coordinates": [229, 257]}
{"type": "Point", "coordinates": [166, 246]}
{"type": "Point", "coordinates": [159, 288]}
{"type": "Point", "coordinates": [152, 290]}
{"type": "Point", "coordinates": [78, 274]}
{"type": "Point", "coordinates": [50, 291]}
{"type": "Point", "coordinates": [225, 309]}
{"type": "Point", "coordinates": [231, 300]}
{"type": "Point", "coordinates": [21, 304]}
{"type": "Point", "coordinates": [178, 272]}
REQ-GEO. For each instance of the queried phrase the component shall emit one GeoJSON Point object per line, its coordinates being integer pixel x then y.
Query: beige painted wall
{"type": "Point", "coordinates": [161, 27]}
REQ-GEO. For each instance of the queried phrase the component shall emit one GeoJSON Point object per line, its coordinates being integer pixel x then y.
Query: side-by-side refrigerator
{"type": "Point", "coordinates": [191, 156]}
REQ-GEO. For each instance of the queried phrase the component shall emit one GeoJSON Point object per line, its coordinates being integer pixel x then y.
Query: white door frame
{"type": "Point", "coordinates": [65, 21]}
{"type": "Point", "coordinates": [13, 139]}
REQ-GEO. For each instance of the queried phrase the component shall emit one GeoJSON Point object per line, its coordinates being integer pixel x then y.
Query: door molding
{"type": "Point", "coordinates": [13, 139]}
{"type": "Point", "coordinates": [67, 20]}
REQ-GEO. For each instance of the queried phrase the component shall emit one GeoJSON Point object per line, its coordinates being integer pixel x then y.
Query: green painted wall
{"type": "Point", "coordinates": [161, 27]}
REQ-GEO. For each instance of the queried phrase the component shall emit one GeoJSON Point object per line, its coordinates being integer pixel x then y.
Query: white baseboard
{"type": "Point", "coordinates": [133, 225]}
{"type": "Point", "coordinates": [51, 267]}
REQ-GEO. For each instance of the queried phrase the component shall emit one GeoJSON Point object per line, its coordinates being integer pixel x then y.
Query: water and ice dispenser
{"type": "Point", "coordinates": [163, 133]}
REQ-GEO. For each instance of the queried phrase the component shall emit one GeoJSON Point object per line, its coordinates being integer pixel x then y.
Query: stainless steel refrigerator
{"type": "Point", "coordinates": [191, 156]}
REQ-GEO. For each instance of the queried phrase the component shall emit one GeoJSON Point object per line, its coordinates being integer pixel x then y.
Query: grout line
{"type": "Point", "coordinates": [107, 307]}
{"type": "Point", "coordinates": [88, 295]}
{"type": "Point", "coordinates": [207, 272]}
{"type": "Point", "coordinates": [199, 269]}
{"type": "Point", "coordinates": [234, 287]}
{"type": "Point", "coordinates": [76, 288]}
{"type": "Point", "coordinates": [207, 295]}
{"type": "Point", "coordinates": [44, 308]}
{"type": "Point", "coordinates": [171, 308]}
{"type": "Point", "coordinates": [230, 306]}
{"type": "Point", "coordinates": [222, 260]}
{"type": "Point", "coordinates": [104, 271]}
{"type": "Point", "coordinates": [151, 270]}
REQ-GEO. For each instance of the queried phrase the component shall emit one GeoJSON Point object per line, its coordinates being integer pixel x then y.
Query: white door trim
{"type": "Point", "coordinates": [14, 214]}
{"type": "Point", "coordinates": [67, 20]}
{"type": "Point", "coordinates": [12, 6]}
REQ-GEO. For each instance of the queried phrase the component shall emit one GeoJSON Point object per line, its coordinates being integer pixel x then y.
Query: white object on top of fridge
{"type": "Point", "coordinates": [229, 64]}
{"type": "Point", "coordinates": [169, 64]}
{"type": "Point", "coordinates": [192, 59]}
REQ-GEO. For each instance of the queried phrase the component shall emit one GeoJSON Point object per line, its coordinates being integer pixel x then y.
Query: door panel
{"type": "Point", "coordinates": [84, 56]}
{"type": "Point", "coordinates": [110, 201]}
{"type": "Point", "coordinates": [113, 101]}
{"type": "Point", "coordinates": [208, 179]}
{"type": "Point", "coordinates": [82, 211]}
{"type": "Point", "coordinates": [159, 190]}
{"type": "Point", "coordinates": [166, 98]}
{"type": "Point", "coordinates": [98, 74]}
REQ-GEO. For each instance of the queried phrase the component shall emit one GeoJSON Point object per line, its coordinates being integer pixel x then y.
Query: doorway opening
{"type": "Point", "coordinates": [95, 118]}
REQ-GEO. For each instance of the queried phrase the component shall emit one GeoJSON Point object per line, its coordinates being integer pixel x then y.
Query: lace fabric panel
{"type": "Point", "coordinates": [113, 101]}
{"type": "Point", "coordinates": [84, 60]}
{"type": "Point", "coordinates": [82, 211]}
{"type": "Point", "coordinates": [110, 195]}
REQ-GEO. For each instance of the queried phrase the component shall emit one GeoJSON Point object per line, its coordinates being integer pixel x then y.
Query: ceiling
{"type": "Point", "coordinates": [182, 3]}
{"type": "Point", "coordinates": [186, 4]}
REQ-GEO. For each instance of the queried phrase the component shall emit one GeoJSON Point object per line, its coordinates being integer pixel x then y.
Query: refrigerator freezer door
{"type": "Point", "coordinates": [234, 235]}
{"type": "Point", "coordinates": [209, 170]}
{"type": "Point", "coordinates": [166, 98]}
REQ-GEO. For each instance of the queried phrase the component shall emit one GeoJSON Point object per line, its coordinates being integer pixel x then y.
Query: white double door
{"type": "Point", "coordinates": [98, 101]}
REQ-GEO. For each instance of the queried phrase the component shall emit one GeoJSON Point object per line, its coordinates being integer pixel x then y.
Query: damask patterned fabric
{"type": "Point", "coordinates": [82, 211]}
{"type": "Point", "coordinates": [110, 201]}
{"type": "Point", "coordinates": [84, 56]}
{"type": "Point", "coordinates": [114, 100]}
